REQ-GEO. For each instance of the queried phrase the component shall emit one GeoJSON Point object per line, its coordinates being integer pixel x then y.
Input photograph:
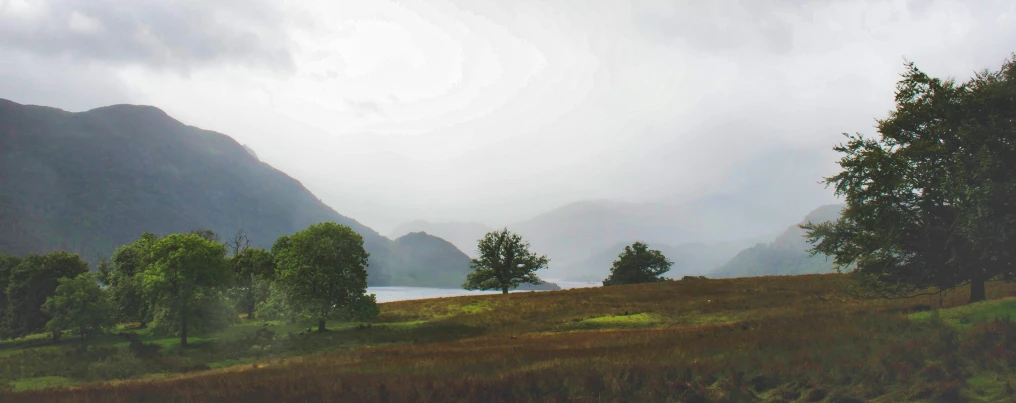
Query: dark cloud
{"type": "Point", "coordinates": [163, 34]}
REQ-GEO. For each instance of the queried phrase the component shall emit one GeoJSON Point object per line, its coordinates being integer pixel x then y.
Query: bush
{"type": "Point", "coordinates": [122, 364]}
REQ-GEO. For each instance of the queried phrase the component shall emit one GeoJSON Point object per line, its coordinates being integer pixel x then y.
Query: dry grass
{"type": "Point", "coordinates": [776, 339]}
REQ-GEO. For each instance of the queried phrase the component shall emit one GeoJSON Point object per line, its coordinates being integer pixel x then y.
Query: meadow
{"type": "Point", "coordinates": [767, 339]}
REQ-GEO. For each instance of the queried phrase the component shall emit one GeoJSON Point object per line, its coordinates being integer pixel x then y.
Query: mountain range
{"type": "Point", "coordinates": [785, 255]}
{"type": "Point", "coordinates": [88, 182]}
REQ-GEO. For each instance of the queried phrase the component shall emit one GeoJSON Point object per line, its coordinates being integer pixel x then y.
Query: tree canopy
{"type": "Point", "coordinates": [31, 282]}
{"type": "Point", "coordinates": [323, 270]}
{"type": "Point", "coordinates": [122, 276]}
{"type": "Point", "coordinates": [638, 264]}
{"type": "Point", "coordinates": [929, 200]}
{"type": "Point", "coordinates": [79, 304]}
{"type": "Point", "coordinates": [184, 279]}
{"type": "Point", "coordinates": [505, 262]}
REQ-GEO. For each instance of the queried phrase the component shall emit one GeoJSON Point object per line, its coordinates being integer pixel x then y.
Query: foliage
{"type": "Point", "coordinates": [31, 282]}
{"type": "Point", "coordinates": [917, 216]}
{"type": "Point", "coordinates": [505, 262]}
{"type": "Point", "coordinates": [122, 364]}
{"type": "Point", "coordinates": [638, 264]}
{"type": "Point", "coordinates": [322, 269]}
{"type": "Point", "coordinates": [122, 277]}
{"type": "Point", "coordinates": [79, 304]}
{"type": "Point", "coordinates": [7, 264]}
{"type": "Point", "coordinates": [253, 270]}
{"type": "Point", "coordinates": [184, 279]}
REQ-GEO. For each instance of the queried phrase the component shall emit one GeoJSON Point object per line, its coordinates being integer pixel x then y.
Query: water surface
{"type": "Point", "coordinates": [389, 294]}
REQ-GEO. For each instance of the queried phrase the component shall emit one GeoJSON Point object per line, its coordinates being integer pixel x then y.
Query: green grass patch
{"type": "Point", "coordinates": [477, 307]}
{"type": "Point", "coordinates": [987, 387]}
{"type": "Point", "coordinates": [962, 317]}
{"type": "Point", "coordinates": [41, 382]}
{"type": "Point", "coordinates": [619, 321]}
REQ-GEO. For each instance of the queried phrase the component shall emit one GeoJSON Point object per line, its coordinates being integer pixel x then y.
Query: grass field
{"type": "Point", "coordinates": [771, 339]}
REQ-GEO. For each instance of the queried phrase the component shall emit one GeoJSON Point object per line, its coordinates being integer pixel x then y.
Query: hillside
{"type": "Point", "coordinates": [88, 182]}
{"type": "Point", "coordinates": [779, 339]}
{"type": "Point", "coordinates": [787, 254]}
{"type": "Point", "coordinates": [463, 235]}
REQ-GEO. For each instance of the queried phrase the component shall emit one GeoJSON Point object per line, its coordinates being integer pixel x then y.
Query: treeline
{"type": "Point", "coordinates": [188, 282]}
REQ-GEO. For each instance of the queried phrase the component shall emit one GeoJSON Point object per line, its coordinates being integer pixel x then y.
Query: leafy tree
{"type": "Point", "coordinates": [505, 262]}
{"type": "Point", "coordinates": [7, 264]}
{"type": "Point", "coordinates": [322, 269]}
{"type": "Point", "coordinates": [31, 282]}
{"type": "Point", "coordinates": [122, 276]}
{"type": "Point", "coordinates": [185, 278]}
{"type": "Point", "coordinates": [638, 264]}
{"type": "Point", "coordinates": [253, 270]}
{"type": "Point", "coordinates": [80, 304]}
{"type": "Point", "coordinates": [923, 201]}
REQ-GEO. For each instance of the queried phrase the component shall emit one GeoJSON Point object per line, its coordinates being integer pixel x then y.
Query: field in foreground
{"type": "Point", "coordinates": [772, 339]}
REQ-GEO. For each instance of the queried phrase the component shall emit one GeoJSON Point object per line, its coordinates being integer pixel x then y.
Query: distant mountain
{"type": "Point", "coordinates": [690, 259]}
{"type": "Point", "coordinates": [787, 254]}
{"type": "Point", "coordinates": [463, 235]}
{"type": "Point", "coordinates": [89, 182]}
{"type": "Point", "coordinates": [575, 232]}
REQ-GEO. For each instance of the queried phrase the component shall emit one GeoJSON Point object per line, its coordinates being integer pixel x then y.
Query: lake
{"type": "Point", "coordinates": [389, 294]}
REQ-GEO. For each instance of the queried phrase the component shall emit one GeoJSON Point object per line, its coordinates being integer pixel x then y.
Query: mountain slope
{"type": "Point", "coordinates": [88, 182]}
{"type": "Point", "coordinates": [786, 255]}
{"type": "Point", "coordinates": [463, 235]}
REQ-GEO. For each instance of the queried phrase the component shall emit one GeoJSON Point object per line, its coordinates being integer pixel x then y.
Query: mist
{"type": "Point", "coordinates": [495, 112]}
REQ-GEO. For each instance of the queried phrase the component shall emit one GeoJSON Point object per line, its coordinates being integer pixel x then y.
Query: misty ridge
{"type": "Point", "coordinates": [527, 201]}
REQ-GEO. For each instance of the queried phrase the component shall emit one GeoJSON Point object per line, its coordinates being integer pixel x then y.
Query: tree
{"type": "Point", "coordinates": [505, 262]}
{"type": "Point", "coordinates": [916, 197]}
{"type": "Point", "coordinates": [253, 270]}
{"type": "Point", "coordinates": [122, 276]}
{"type": "Point", "coordinates": [206, 234]}
{"type": "Point", "coordinates": [185, 278]}
{"type": "Point", "coordinates": [79, 303]}
{"type": "Point", "coordinates": [638, 264]}
{"type": "Point", "coordinates": [7, 264]}
{"type": "Point", "coordinates": [33, 280]}
{"type": "Point", "coordinates": [322, 269]}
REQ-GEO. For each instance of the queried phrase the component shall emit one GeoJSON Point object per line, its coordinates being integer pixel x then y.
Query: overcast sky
{"type": "Point", "coordinates": [494, 111]}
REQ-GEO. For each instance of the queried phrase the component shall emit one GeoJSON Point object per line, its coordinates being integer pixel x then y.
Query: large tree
{"type": "Point", "coordinates": [185, 278]}
{"type": "Point", "coordinates": [505, 262]}
{"type": "Point", "coordinates": [33, 280]}
{"type": "Point", "coordinates": [253, 271]}
{"type": "Point", "coordinates": [79, 304]}
{"type": "Point", "coordinates": [638, 264]}
{"type": "Point", "coordinates": [323, 270]}
{"type": "Point", "coordinates": [122, 276]}
{"type": "Point", "coordinates": [7, 264]}
{"type": "Point", "coordinates": [920, 197]}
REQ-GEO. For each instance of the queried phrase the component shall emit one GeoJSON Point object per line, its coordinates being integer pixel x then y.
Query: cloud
{"type": "Point", "coordinates": [179, 35]}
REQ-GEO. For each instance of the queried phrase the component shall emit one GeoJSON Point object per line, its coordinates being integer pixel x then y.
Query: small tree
{"type": "Point", "coordinates": [253, 269]}
{"type": "Point", "coordinates": [122, 277]}
{"type": "Point", "coordinates": [33, 280]}
{"type": "Point", "coordinates": [638, 264]}
{"type": "Point", "coordinates": [322, 269]}
{"type": "Point", "coordinates": [505, 262]}
{"type": "Point", "coordinates": [184, 279]}
{"type": "Point", "coordinates": [80, 304]}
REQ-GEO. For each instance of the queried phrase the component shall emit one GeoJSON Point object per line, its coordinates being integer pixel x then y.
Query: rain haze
{"type": "Point", "coordinates": [494, 111]}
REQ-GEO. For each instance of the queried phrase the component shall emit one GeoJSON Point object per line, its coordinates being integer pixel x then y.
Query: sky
{"type": "Point", "coordinates": [494, 111]}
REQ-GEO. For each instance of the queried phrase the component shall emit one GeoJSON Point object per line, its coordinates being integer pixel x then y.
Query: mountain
{"type": "Point", "coordinates": [89, 182]}
{"type": "Point", "coordinates": [463, 235]}
{"type": "Point", "coordinates": [690, 259]}
{"type": "Point", "coordinates": [787, 254]}
{"type": "Point", "coordinates": [435, 262]}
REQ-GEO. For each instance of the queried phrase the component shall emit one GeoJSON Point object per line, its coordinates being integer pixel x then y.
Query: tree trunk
{"type": "Point", "coordinates": [250, 311]}
{"type": "Point", "coordinates": [56, 335]}
{"type": "Point", "coordinates": [183, 330]}
{"type": "Point", "coordinates": [84, 347]}
{"type": "Point", "coordinates": [504, 290]}
{"type": "Point", "coordinates": [977, 289]}
{"type": "Point", "coordinates": [321, 325]}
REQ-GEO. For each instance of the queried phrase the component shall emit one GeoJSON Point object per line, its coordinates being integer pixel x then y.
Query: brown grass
{"type": "Point", "coordinates": [776, 339]}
